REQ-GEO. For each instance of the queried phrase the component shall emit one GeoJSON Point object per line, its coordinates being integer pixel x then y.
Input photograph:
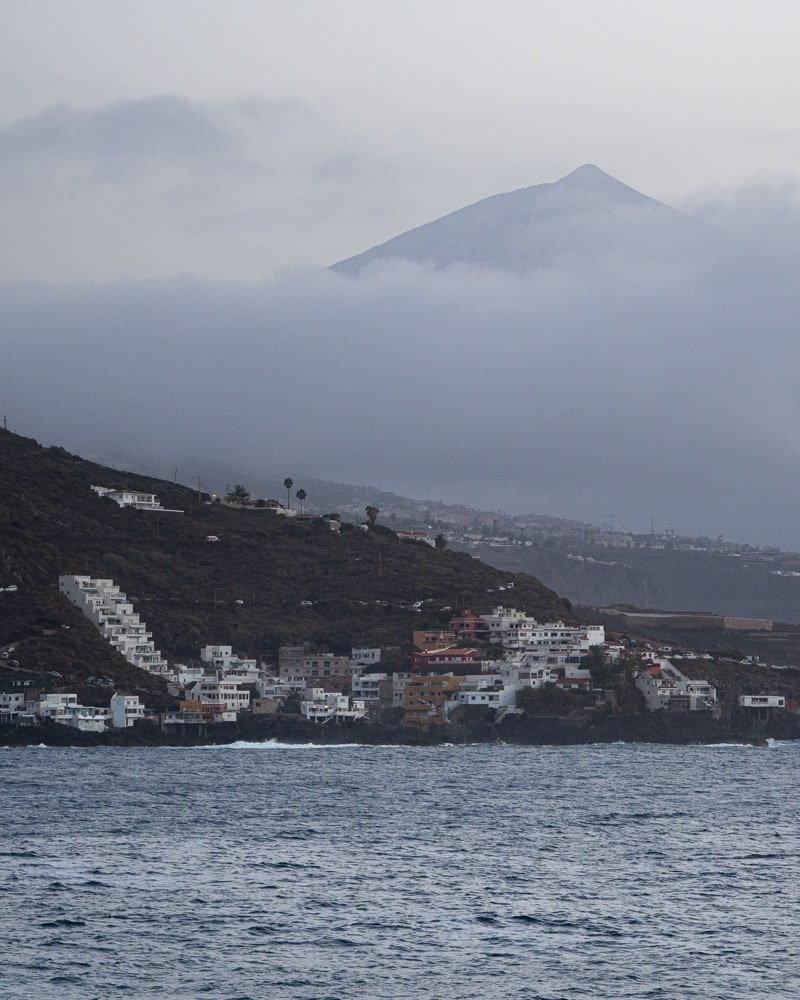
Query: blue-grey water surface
{"type": "Point", "coordinates": [393, 872]}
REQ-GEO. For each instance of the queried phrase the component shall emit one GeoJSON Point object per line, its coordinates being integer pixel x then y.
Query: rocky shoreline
{"type": "Point", "coordinates": [522, 730]}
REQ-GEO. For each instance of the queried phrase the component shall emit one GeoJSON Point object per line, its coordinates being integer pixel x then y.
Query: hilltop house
{"type": "Point", "coordinates": [133, 498]}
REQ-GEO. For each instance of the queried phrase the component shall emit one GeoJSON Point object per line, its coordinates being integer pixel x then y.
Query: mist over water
{"type": "Point", "coordinates": [391, 872]}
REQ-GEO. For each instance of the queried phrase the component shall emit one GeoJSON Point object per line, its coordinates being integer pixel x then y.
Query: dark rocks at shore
{"type": "Point", "coordinates": [668, 728]}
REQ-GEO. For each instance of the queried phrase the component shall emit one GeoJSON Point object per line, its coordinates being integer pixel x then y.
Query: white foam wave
{"type": "Point", "coordinates": [274, 745]}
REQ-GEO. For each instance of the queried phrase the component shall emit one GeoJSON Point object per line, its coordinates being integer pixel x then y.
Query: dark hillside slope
{"type": "Point", "coordinates": [246, 589]}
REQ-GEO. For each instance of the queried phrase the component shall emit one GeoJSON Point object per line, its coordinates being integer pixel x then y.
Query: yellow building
{"type": "Point", "coordinates": [424, 699]}
{"type": "Point", "coordinates": [435, 638]}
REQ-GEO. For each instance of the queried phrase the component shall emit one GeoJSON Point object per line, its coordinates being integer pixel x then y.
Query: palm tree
{"type": "Point", "coordinates": [239, 494]}
{"type": "Point", "coordinates": [301, 495]}
{"type": "Point", "coordinates": [287, 485]}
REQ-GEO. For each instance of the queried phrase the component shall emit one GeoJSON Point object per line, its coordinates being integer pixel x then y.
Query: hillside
{"type": "Point", "coordinates": [588, 564]}
{"type": "Point", "coordinates": [596, 568]}
{"type": "Point", "coordinates": [246, 589]}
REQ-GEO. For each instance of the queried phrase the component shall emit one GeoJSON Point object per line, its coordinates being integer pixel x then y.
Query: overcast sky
{"type": "Point", "coordinates": [199, 163]}
{"type": "Point", "coordinates": [233, 139]}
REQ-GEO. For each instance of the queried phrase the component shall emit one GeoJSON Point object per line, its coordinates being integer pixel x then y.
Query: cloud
{"type": "Point", "coordinates": [160, 126]}
{"type": "Point", "coordinates": [647, 389]}
{"type": "Point", "coordinates": [162, 185]}
{"type": "Point", "coordinates": [764, 215]}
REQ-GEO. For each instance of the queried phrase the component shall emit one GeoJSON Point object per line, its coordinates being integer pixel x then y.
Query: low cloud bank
{"type": "Point", "coordinates": [648, 390]}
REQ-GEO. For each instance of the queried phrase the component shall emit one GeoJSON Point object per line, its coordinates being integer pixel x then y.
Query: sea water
{"type": "Point", "coordinates": [340, 872]}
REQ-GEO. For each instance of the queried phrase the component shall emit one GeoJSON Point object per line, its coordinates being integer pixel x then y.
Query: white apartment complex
{"type": "Point", "coordinates": [513, 629]}
{"type": "Point", "coordinates": [213, 691]}
{"type": "Point", "coordinates": [104, 604]}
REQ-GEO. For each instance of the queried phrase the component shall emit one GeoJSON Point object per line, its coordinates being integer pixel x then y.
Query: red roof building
{"type": "Point", "coordinates": [442, 661]}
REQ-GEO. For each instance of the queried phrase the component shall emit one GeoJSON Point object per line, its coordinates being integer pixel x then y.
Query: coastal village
{"type": "Point", "coordinates": [513, 653]}
{"type": "Point", "coordinates": [491, 662]}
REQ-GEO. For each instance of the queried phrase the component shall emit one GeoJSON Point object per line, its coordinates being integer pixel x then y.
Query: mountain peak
{"type": "Point", "coordinates": [590, 179]}
{"type": "Point", "coordinates": [583, 215]}
{"type": "Point", "coordinates": [587, 172]}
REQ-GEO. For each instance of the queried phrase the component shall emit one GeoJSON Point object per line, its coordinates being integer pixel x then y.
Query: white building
{"type": "Point", "coordinates": [213, 691]}
{"type": "Point", "coordinates": [125, 710]}
{"type": "Point", "coordinates": [51, 704]}
{"type": "Point", "coordinates": [65, 710]}
{"type": "Point", "coordinates": [184, 675]}
{"type": "Point", "coordinates": [104, 604]}
{"type": "Point", "coordinates": [12, 704]}
{"type": "Point", "coordinates": [322, 706]}
{"type": "Point", "coordinates": [131, 498]}
{"type": "Point", "coordinates": [365, 656]}
{"type": "Point", "coordinates": [223, 658]}
{"type": "Point", "coordinates": [664, 686]}
{"type": "Point", "coordinates": [273, 687]}
{"type": "Point", "coordinates": [488, 690]}
{"type": "Point", "coordinates": [513, 629]}
{"type": "Point", "coordinates": [86, 718]}
{"type": "Point", "coordinates": [506, 624]}
{"type": "Point", "coordinates": [762, 701]}
{"type": "Point", "coordinates": [574, 677]}
{"type": "Point", "coordinates": [228, 665]}
{"type": "Point", "coordinates": [367, 687]}
{"type": "Point", "coordinates": [399, 681]}
{"type": "Point", "coordinates": [245, 673]}
{"type": "Point", "coordinates": [526, 670]}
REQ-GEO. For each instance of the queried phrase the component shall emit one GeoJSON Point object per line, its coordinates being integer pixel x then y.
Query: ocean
{"type": "Point", "coordinates": [342, 872]}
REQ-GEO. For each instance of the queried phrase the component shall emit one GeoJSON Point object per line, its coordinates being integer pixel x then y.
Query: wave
{"type": "Point", "coordinates": [732, 745]}
{"type": "Point", "coordinates": [273, 745]}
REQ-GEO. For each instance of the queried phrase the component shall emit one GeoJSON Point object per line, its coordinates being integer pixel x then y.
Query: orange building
{"type": "Point", "coordinates": [434, 638]}
{"type": "Point", "coordinates": [424, 699]}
